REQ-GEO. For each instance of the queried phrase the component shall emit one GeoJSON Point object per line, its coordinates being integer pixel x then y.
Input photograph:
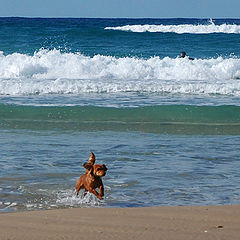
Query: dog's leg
{"type": "Point", "coordinates": [101, 191]}
{"type": "Point", "coordinates": [78, 188]}
{"type": "Point", "coordinates": [85, 193]}
{"type": "Point", "coordinates": [96, 193]}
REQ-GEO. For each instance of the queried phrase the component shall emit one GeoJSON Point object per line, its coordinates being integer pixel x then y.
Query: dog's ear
{"type": "Point", "coordinates": [105, 168]}
{"type": "Point", "coordinates": [91, 159]}
{"type": "Point", "coordinates": [89, 167]}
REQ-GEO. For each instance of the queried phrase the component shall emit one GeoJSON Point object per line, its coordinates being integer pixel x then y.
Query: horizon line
{"type": "Point", "coordinates": [54, 17]}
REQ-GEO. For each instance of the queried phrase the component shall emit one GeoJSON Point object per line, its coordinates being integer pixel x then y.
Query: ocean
{"type": "Point", "coordinates": [167, 128]}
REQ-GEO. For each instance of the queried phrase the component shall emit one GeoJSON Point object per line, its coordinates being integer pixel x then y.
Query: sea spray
{"type": "Point", "coordinates": [54, 72]}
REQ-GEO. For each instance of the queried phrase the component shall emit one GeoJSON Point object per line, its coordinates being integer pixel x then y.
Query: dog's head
{"type": "Point", "coordinates": [95, 169]}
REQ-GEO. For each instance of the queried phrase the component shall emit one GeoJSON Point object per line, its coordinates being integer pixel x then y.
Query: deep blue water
{"type": "Point", "coordinates": [89, 37]}
{"type": "Point", "coordinates": [166, 127]}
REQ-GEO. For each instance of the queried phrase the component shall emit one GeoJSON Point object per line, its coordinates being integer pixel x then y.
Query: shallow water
{"type": "Point", "coordinates": [39, 169]}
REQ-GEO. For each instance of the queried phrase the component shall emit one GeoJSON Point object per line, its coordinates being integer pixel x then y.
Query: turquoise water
{"type": "Point", "coordinates": [167, 128]}
{"type": "Point", "coordinates": [164, 119]}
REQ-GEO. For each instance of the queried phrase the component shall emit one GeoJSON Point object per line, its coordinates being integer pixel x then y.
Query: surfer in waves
{"type": "Point", "coordinates": [183, 55]}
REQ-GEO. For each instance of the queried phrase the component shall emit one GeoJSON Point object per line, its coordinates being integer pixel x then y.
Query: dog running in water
{"type": "Point", "coordinates": [91, 179]}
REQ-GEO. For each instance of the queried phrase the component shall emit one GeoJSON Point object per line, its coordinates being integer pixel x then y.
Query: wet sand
{"type": "Point", "coordinates": [167, 223]}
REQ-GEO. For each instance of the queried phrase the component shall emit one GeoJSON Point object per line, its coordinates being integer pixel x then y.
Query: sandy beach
{"type": "Point", "coordinates": [204, 222]}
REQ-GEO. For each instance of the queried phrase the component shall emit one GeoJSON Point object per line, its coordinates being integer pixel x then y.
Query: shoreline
{"type": "Point", "coordinates": [164, 222]}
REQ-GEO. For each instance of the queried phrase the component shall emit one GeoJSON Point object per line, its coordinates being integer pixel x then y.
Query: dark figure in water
{"type": "Point", "coordinates": [183, 55]}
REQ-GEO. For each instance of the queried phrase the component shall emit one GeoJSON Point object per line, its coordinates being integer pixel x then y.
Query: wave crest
{"type": "Point", "coordinates": [180, 29]}
{"type": "Point", "coordinates": [50, 71]}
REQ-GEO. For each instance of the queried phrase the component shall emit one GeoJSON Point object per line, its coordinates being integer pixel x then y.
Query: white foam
{"type": "Point", "coordinates": [180, 29]}
{"type": "Point", "coordinates": [10, 204]}
{"type": "Point", "coordinates": [67, 198]}
{"type": "Point", "coordinates": [32, 206]}
{"type": "Point", "coordinates": [53, 72]}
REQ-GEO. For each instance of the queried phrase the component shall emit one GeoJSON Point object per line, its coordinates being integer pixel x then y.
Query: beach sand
{"type": "Point", "coordinates": [184, 223]}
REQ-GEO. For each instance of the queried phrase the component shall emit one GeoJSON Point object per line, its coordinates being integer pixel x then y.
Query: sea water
{"type": "Point", "coordinates": [168, 128]}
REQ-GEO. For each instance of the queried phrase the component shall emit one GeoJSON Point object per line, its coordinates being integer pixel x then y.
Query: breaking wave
{"type": "Point", "coordinates": [180, 29]}
{"type": "Point", "coordinates": [54, 72]}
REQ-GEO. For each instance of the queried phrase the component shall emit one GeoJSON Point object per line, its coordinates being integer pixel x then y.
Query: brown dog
{"type": "Point", "coordinates": [91, 179]}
